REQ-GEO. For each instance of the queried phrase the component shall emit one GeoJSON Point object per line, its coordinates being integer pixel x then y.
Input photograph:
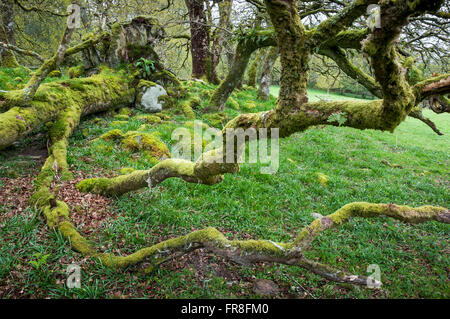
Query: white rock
{"type": "Point", "coordinates": [149, 100]}
{"type": "Point", "coordinates": [316, 215]}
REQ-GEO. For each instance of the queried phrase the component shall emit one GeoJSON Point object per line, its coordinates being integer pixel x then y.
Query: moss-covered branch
{"type": "Point", "coordinates": [51, 64]}
{"type": "Point", "coordinates": [339, 22]}
{"type": "Point", "coordinates": [21, 51]}
{"type": "Point", "coordinates": [438, 85]}
{"type": "Point", "coordinates": [338, 55]}
{"type": "Point", "coordinates": [368, 210]}
{"type": "Point", "coordinates": [417, 114]}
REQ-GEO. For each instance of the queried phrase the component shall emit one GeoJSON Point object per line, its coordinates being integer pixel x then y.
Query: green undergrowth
{"type": "Point", "coordinates": [16, 78]}
{"type": "Point", "coordinates": [414, 260]}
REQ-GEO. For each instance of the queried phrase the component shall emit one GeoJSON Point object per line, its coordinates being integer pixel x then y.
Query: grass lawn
{"type": "Point", "coordinates": [315, 94]}
{"type": "Point", "coordinates": [414, 259]}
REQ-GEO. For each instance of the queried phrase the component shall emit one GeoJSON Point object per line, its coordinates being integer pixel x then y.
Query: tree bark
{"type": "Point", "coordinates": [253, 70]}
{"type": "Point", "coordinates": [220, 38]}
{"type": "Point", "coordinates": [266, 73]}
{"type": "Point", "coordinates": [244, 50]}
{"type": "Point", "coordinates": [199, 38]}
{"type": "Point", "coordinates": [8, 59]}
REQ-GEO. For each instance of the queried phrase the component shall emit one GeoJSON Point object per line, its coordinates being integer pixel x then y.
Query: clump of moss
{"type": "Point", "coordinates": [76, 71]}
{"type": "Point", "coordinates": [322, 179]}
{"type": "Point", "coordinates": [126, 170]}
{"type": "Point", "coordinates": [112, 135]}
{"type": "Point", "coordinates": [118, 123]}
{"type": "Point", "coordinates": [55, 74]}
{"type": "Point", "coordinates": [195, 102]}
{"type": "Point", "coordinates": [167, 101]}
{"type": "Point", "coordinates": [103, 149]}
{"type": "Point", "coordinates": [122, 117]}
{"type": "Point", "coordinates": [233, 104]}
{"type": "Point", "coordinates": [144, 84]}
{"type": "Point", "coordinates": [163, 116]}
{"type": "Point", "coordinates": [187, 110]}
{"type": "Point", "coordinates": [217, 120]}
{"type": "Point", "coordinates": [125, 111]}
{"type": "Point", "coordinates": [149, 119]}
{"type": "Point", "coordinates": [139, 141]}
{"type": "Point", "coordinates": [249, 105]}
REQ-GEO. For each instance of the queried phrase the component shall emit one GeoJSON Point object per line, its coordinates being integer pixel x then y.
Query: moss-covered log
{"type": "Point", "coordinates": [100, 92]}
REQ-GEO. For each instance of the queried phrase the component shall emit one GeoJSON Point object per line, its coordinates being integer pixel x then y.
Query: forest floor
{"type": "Point", "coordinates": [414, 259]}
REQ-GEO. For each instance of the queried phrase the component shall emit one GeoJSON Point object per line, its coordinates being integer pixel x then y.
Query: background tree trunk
{"type": "Point", "coordinates": [253, 71]}
{"type": "Point", "coordinates": [220, 37]}
{"type": "Point", "coordinates": [8, 59]}
{"type": "Point", "coordinates": [199, 38]}
{"type": "Point", "coordinates": [266, 73]}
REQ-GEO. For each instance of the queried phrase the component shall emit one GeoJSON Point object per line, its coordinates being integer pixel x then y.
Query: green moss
{"type": "Point", "coordinates": [76, 71]}
{"type": "Point", "coordinates": [322, 179]}
{"type": "Point", "coordinates": [56, 215]}
{"type": "Point", "coordinates": [233, 104]}
{"type": "Point", "coordinates": [187, 110]}
{"type": "Point", "coordinates": [167, 101]}
{"type": "Point", "coordinates": [55, 74]}
{"type": "Point", "coordinates": [217, 120]}
{"type": "Point", "coordinates": [126, 170]}
{"type": "Point", "coordinates": [139, 141]}
{"type": "Point", "coordinates": [112, 135]}
{"type": "Point", "coordinates": [125, 111]}
{"type": "Point", "coordinates": [41, 197]}
{"type": "Point", "coordinates": [195, 102]}
{"type": "Point", "coordinates": [252, 72]}
{"type": "Point", "coordinates": [146, 84]}
{"type": "Point", "coordinates": [122, 117]}
{"type": "Point", "coordinates": [118, 123]}
{"type": "Point", "coordinates": [163, 116]}
{"type": "Point", "coordinates": [149, 119]}
{"type": "Point", "coordinates": [8, 59]}
{"type": "Point", "coordinates": [77, 242]}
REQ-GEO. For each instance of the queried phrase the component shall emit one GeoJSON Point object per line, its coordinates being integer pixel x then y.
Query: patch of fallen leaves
{"type": "Point", "coordinates": [14, 195]}
{"type": "Point", "coordinates": [87, 211]}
